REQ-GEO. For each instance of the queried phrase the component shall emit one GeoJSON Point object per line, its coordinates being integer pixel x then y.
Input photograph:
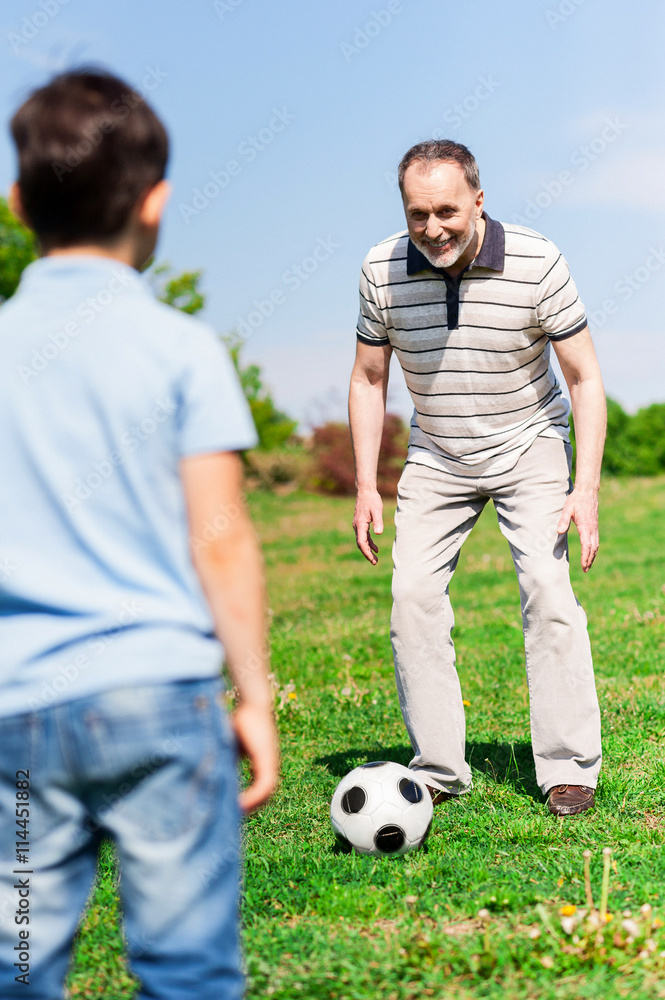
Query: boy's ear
{"type": "Point", "coordinates": [15, 203]}
{"type": "Point", "coordinates": [154, 203]}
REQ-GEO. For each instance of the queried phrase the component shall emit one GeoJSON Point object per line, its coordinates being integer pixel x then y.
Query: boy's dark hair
{"type": "Point", "coordinates": [441, 151]}
{"type": "Point", "coordinates": [88, 146]}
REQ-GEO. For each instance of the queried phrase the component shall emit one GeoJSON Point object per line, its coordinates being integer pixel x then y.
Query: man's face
{"type": "Point", "coordinates": [441, 213]}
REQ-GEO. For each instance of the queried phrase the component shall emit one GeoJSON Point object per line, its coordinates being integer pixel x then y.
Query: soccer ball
{"type": "Point", "coordinates": [381, 808]}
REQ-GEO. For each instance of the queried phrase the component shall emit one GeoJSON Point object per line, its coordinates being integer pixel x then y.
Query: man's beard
{"type": "Point", "coordinates": [448, 255]}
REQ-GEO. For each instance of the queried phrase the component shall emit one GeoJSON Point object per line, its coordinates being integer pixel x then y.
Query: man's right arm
{"type": "Point", "coordinates": [367, 408]}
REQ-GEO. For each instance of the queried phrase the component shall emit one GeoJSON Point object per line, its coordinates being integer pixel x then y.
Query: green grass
{"type": "Point", "coordinates": [323, 924]}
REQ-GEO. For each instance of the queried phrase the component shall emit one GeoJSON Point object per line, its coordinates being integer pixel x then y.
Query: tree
{"type": "Point", "coordinates": [273, 427]}
{"type": "Point", "coordinates": [617, 459]}
{"type": "Point", "coordinates": [180, 290]}
{"type": "Point", "coordinates": [18, 248]}
{"type": "Point", "coordinates": [645, 441]}
{"type": "Point", "coordinates": [635, 444]}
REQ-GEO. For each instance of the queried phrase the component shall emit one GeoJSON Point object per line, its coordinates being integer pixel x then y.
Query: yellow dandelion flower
{"type": "Point", "coordinates": [568, 911]}
{"type": "Point", "coordinates": [465, 702]}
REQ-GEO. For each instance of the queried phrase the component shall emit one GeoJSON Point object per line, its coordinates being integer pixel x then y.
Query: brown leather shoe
{"type": "Point", "coordinates": [569, 800]}
{"type": "Point", "coordinates": [438, 796]}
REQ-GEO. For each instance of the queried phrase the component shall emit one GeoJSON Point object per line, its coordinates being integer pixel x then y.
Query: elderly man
{"type": "Point", "coordinates": [470, 307]}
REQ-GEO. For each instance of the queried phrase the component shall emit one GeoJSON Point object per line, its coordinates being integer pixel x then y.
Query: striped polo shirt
{"type": "Point", "coordinates": [474, 348]}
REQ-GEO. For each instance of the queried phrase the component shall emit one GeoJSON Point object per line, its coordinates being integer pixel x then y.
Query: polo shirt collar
{"type": "Point", "coordinates": [67, 270]}
{"type": "Point", "coordinates": [492, 252]}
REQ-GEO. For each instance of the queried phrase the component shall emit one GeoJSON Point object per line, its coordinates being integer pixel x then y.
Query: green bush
{"type": "Point", "coordinates": [273, 427]}
{"type": "Point", "coordinates": [645, 440]}
{"type": "Point", "coordinates": [635, 444]}
{"type": "Point", "coordinates": [17, 249]}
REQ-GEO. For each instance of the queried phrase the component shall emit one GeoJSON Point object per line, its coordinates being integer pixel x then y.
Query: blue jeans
{"type": "Point", "coordinates": [153, 768]}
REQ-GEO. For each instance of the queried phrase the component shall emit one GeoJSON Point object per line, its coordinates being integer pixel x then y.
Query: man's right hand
{"type": "Point", "coordinates": [369, 510]}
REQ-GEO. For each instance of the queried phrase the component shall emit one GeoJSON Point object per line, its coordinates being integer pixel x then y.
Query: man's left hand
{"type": "Point", "coordinates": [582, 508]}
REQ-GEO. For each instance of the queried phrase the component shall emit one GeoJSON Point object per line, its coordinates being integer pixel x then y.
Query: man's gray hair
{"type": "Point", "coordinates": [441, 151]}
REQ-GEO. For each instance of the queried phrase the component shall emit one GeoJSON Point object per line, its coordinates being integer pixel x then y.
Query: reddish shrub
{"type": "Point", "coordinates": [334, 469]}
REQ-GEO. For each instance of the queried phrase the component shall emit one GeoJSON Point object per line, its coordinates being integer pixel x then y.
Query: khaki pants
{"type": "Point", "coordinates": [436, 512]}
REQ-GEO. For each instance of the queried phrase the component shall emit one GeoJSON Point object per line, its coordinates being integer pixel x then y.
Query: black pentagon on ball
{"type": "Point", "coordinates": [354, 799]}
{"type": "Point", "coordinates": [389, 839]}
{"type": "Point", "coordinates": [409, 790]}
{"type": "Point", "coordinates": [375, 763]}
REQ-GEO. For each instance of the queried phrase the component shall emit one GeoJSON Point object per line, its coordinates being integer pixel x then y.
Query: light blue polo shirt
{"type": "Point", "coordinates": [102, 390]}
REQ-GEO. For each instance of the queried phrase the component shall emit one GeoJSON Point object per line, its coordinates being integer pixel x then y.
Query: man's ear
{"type": "Point", "coordinates": [154, 203]}
{"type": "Point", "coordinates": [15, 203]}
{"type": "Point", "coordinates": [480, 197]}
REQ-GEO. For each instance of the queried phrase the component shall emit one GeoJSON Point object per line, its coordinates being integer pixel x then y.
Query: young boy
{"type": "Point", "coordinates": [126, 558]}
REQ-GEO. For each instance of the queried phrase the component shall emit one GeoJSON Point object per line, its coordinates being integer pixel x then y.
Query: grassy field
{"type": "Point", "coordinates": [322, 924]}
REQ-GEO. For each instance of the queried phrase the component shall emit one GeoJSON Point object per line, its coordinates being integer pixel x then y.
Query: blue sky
{"type": "Point", "coordinates": [288, 120]}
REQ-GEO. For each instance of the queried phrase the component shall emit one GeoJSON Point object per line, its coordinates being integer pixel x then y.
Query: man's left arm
{"type": "Point", "coordinates": [580, 369]}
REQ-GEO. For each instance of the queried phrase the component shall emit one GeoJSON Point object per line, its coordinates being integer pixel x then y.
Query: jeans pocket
{"type": "Point", "coordinates": [166, 767]}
